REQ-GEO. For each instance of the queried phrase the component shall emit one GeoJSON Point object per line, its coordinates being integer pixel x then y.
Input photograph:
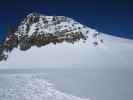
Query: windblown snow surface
{"type": "Point", "coordinates": [31, 87]}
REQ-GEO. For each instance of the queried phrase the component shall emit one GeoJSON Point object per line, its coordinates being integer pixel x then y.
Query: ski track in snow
{"type": "Point", "coordinates": [31, 87]}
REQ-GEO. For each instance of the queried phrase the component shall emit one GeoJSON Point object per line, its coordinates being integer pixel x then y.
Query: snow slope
{"type": "Point", "coordinates": [114, 52]}
{"type": "Point", "coordinates": [31, 87]}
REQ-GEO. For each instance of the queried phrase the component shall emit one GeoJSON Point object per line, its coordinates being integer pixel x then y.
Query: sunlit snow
{"type": "Point", "coordinates": [31, 87]}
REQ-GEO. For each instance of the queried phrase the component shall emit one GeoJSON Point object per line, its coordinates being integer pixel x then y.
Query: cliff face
{"type": "Point", "coordinates": [39, 30]}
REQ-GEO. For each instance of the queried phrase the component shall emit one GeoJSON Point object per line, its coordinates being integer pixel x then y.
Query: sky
{"type": "Point", "coordinates": [114, 17]}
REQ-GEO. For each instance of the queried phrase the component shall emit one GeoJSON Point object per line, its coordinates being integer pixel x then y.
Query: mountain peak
{"type": "Point", "coordinates": [36, 23]}
{"type": "Point", "coordinates": [33, 14]}
{"type": "Point", "coordinates": [39, 30]}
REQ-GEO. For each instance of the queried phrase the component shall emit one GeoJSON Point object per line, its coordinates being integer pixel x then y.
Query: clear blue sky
{"type": "Point", "coordinates": [110, 16]}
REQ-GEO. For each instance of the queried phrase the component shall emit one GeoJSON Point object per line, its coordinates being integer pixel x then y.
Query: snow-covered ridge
{"type": "Point", "coordinates": [39, 30]}
{"type": "Point", "coordinates": [36, 23]}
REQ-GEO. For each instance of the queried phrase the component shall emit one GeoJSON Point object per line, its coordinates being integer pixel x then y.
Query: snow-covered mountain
{"type": "Point", "coordinates": [35, 24]}
{"type": "Point", "coordinates": [74, 44]}
{"type": "Point", "coordinates": [39, 30]}
{"type": "Point", "coordinates": [56, 42]}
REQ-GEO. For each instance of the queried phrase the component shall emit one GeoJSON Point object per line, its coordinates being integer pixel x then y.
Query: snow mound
{"type": "Point", "coordinates": [31, 87]}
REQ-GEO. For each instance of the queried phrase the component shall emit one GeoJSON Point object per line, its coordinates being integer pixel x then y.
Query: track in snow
{"type": "Point", "coordinates": [31, 87]}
